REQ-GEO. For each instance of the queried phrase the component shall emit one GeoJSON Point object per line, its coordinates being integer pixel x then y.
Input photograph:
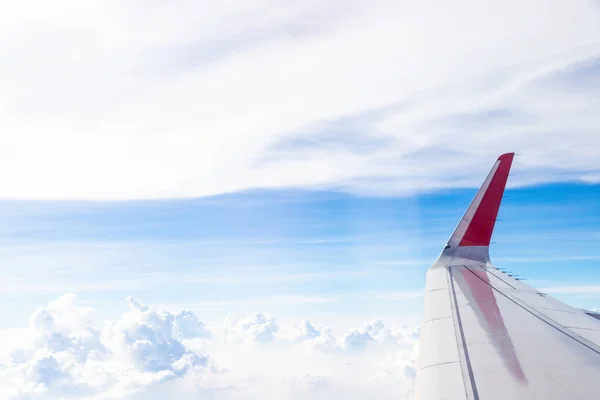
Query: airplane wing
{"type": "Point", "coordinates": [487, 335]}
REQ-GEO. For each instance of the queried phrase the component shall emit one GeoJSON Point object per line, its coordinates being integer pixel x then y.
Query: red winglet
{"type": "Point", "coordinates": [481, 226]}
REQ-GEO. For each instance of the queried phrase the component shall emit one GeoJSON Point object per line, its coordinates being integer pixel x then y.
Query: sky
{"type": "Point", "coordinates": [239, 199]}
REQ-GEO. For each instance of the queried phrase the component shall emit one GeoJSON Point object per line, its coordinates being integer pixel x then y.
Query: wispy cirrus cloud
{"type": "Point", "coordinates": [120, 100]}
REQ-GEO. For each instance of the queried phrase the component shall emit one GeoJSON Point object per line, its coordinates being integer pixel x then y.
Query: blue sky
{"type": "Point", "coordinates": [294, 253]}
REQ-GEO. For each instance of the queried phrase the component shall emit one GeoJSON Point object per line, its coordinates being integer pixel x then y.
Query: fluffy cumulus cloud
{"type": "Point", "coordinates": [145, 99]}
{"type": "Point", "coordinates": [254, 328]}
{"type": "Point", "coordinates": [154, 354]}
{"type": "Point", "coordinates": [63, 355]}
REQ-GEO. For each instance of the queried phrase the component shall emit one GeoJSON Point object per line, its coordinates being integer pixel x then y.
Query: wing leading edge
{"type": "Point", "coordinates": [486, 335]}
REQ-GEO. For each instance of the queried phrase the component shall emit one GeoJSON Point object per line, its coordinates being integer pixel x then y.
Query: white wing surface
{"type": "Point", "coordinates": [488, 336]}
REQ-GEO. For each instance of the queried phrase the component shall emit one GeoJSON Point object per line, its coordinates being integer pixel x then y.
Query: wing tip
{"type": "Point", "coordinates": [483, 215]}
{"type": "Point", "coordinates": [506, 156]}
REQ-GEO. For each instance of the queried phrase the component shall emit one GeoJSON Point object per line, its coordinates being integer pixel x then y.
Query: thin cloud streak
{"type": "Point", "coordinates": [161, 280]}
{"type": "Point", "coordinates": [397, 295]}
{"type": "Point", "coordinates": [403, 263]}
{"type": "Point", "coordinates": [575, 289]}
{"type": "Point", "coordinates": [299, 299]}
{"type": "Point", "coordinates": [557, 258]}
{"type": "Point", "coordinates": [255, 302]}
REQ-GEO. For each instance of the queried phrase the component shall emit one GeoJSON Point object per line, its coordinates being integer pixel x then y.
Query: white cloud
{"type": "Point", "coordinates": [188, 326]}
{"type": "Point", "coordinates": [190, 98]}
{"type": "Point", "coordinates": [375, 332]}
{"type": "Point", "coordinates": [256, 327]}
{"type": "Point", "coordinates": [307, 331]}
{"type": "Point", "coordinates": [150, 354]}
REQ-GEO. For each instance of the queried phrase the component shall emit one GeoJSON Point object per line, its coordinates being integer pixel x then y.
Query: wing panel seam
{"type": "Point", "coordinates": [438, 364]}
{"type": "Point", "coordinates": [490, 271]}
{"type": "Point", "coordinates": [584, 329]}
{"type": "Point", "coordinates": [465, 350]}
{"type": "Point", "coordinates": [567, 332]}
{"type": "Point", "coordinates": [555, 309]}
{"type": "Point", "coordinates": [436, 290]}
{"type": "Point", "coordinates": [435, 319]}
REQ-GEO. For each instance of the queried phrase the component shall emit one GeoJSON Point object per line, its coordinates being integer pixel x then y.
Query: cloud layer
{"type": "Point", "coordinates": [129, 99]}
{"type": "Point", "coordinates": [152, 354]}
